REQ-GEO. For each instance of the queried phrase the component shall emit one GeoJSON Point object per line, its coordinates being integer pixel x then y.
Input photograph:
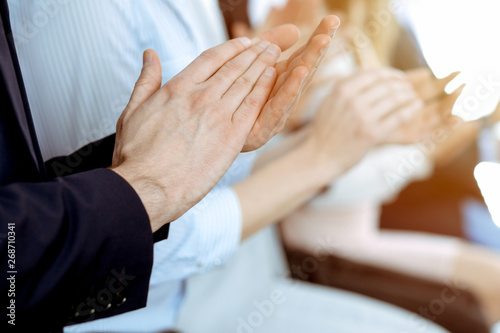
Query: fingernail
{"type": "Point", "coordinates": [147, 58]}
{"type": "Point", "coordinates": [245, 41]}
{"type": "Point", "coordinates": [269, 71]}
{"type": "Point", "coordinates": [273, 49]}
{"type": "Point", "coordinates": [333, 31]}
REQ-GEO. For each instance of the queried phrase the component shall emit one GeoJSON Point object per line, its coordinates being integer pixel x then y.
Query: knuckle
{"type": "Point", "coordinates": [211, 55]}
{"type": "Point", "coordinates": [145, 79]}
{"type": "Point", "coordinates": [234, 66]}
{"type": "Point", "coordinates": [201, 98]}
{"type": "Point", "coordinates": [172, 88]}
{"type": "Point", "coordinates": [252, 102]}
{"type": "Point", "coordinates": [245, 81]}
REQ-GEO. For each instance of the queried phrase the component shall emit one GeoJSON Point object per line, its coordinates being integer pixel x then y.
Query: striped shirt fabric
{"type": "Point", "coordinates": [80, 61]}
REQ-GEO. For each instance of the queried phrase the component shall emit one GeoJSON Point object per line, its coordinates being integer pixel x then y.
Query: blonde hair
{"type": "Point", "coordinates": [373, 19]}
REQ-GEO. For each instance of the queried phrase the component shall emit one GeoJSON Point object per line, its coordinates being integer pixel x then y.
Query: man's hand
{"type": "Point", "coordinates": [174, 143]}
{"type": "Point", "coordinates": [294, 76]}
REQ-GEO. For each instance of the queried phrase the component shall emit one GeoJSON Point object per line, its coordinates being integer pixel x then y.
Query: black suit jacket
{"type": "Point", "coordinates": [73, 248]}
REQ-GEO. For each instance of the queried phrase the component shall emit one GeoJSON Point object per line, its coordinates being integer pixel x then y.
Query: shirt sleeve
{"type": "Point", "coordinates": [202, 239]}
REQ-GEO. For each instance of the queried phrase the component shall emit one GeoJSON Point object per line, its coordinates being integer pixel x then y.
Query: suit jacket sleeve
{"type": "Point", "coordinates": [83, 248]}
{"type": "Point", "coordinates": [98, 154]}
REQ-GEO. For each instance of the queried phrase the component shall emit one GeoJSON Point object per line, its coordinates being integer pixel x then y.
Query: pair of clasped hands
{"type": "Point", "coordinates": [175, 142]}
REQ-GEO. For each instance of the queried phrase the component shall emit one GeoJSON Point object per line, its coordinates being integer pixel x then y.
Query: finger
{"type": "Point", "coordinates": [313, 72]}
{"type": "Point", "coordinates": [394, 104]}
{"type": "Point", "coordinates": [435, 88]}
{"type": "Point", "coordinates": [383, 90]}
{"type": "Point", "coordinates": [282, 104]}
{"type": "Point", "coordinates": [285, 36]}
{"type": "Point", "coordinates": [444, 81]}
{"type": "Point", "coordinates": [419, 75]}
{"type": "Point", "coordinates": [246, 115]}
{"type": "Point", "coordinates": [240, 29]}
{"type": "Point", "coordinates": [149, 81]}
{"type": "Point", "coordinates": [309, 59]}
{"type": "Point", "coordinates": [403, 114]}
{"type": "Point", "coordinates": [332, 30]}
{"type": "Point", "coordinates": [210, 61]}
{"type": "Point", "coordinates": [245, 69]}
{"type": "Point", "coordinates": [328, 26]}
{"type": "Point", "coordinates": [362, 82]}
{"type": "Point", "coordinates": [448, 102]}
{"type": "Point", "coordinates": [277, 110]}
{"type": "Point", "coordinates": [246, 82]}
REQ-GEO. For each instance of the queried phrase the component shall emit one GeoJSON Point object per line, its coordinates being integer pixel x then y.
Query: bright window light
{"type": "Point", "coordinates": [488, 178]}
{"type": "Point", "coordinates": [462, 35]}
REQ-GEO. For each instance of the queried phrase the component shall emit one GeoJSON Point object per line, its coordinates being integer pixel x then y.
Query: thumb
{"type": "Point", "coordinates": [285, 36]}
{"type": "Point", "coordinates": [149, 81]}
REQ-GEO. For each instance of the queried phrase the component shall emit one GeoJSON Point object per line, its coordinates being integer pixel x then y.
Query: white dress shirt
{"type": "Point", "coordinates": [80, 61]}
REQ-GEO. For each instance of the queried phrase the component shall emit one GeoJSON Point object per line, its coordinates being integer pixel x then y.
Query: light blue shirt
{"type": "Point", "coordinates": [80, 61]}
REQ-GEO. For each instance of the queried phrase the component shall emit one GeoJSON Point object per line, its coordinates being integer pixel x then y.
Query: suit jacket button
{"type": "Point", "coordinates": [123, 300]}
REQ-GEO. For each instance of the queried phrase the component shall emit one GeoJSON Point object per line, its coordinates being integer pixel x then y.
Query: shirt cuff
{"type": "Point", "coordinates": [220, 231]}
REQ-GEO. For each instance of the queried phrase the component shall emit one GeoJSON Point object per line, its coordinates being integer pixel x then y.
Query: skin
{"type": "Point", "coordinates": [174, 143]}
{"type": "Point", "coordinates": [475, 267]}
{"type": "Point", "coordinates": [338, 138]}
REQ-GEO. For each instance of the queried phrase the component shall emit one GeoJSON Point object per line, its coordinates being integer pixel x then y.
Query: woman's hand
{"type": "Point", "coordinates": [359, 114]}
{"type": "Point", "coordinates": [436, 111]}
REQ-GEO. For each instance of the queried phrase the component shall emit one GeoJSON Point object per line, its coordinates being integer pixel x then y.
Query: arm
{"type": "Point", "coordinates": [278, 188]}
{"type": "Point", "coordinates": [98, 154]}
{"type": "Point", "coordinates": [202, 239]}
{"type": "Point", "coordinates": [356, 116]}
{"type": "Point", "coordinates": [83, 239]}
{"type": "Point", "coordinates": [73, 236]}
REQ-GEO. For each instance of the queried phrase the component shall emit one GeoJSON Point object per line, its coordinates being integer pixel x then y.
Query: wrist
{"type": "Point", "coordinates": [152, 194]}
{"type": "Point", "coordinates": [323, 169]}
